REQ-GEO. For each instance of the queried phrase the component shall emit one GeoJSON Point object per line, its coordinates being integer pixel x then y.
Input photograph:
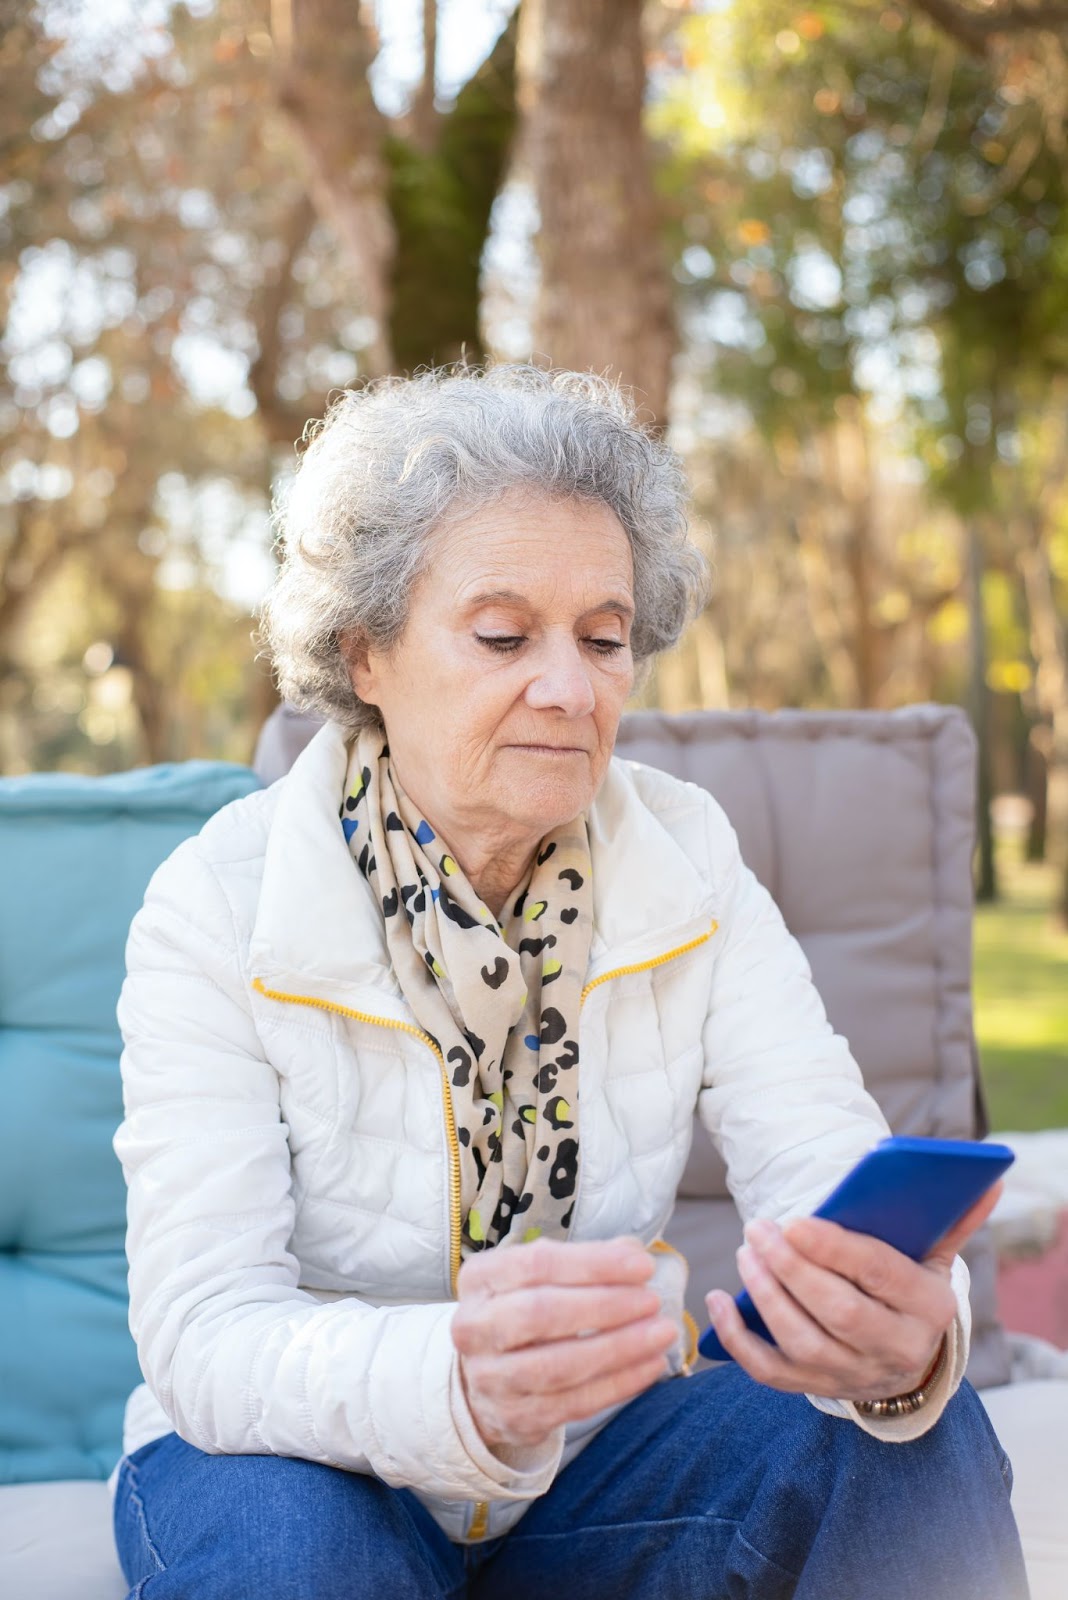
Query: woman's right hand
{"type": "Point", "coordinates": [549, 1332]}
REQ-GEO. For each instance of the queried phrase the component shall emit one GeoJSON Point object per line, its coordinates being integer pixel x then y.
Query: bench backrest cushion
{"type": "Point", "coordinates": [862, 827]}
{"type": "Point", "coordinates": [76, 854]}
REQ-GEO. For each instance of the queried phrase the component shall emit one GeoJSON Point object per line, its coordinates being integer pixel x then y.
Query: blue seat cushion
{"type": "Point", "coordinates": [76, 854]}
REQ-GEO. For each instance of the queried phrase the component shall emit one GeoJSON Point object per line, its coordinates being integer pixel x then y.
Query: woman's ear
{"type": "Point", "coordinates": [356, 655]}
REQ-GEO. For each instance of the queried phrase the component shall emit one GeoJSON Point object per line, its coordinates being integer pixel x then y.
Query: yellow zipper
{"type": "Point", "coordinates": [645, 966]}
{"type": "Point", "coordinates": [479, 1520]}
{"type": "Point", "coordinates": [455, 1207]}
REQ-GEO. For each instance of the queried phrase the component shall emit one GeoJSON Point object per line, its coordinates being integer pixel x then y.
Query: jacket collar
{"type": "Point", "coordinates": [319, 929]}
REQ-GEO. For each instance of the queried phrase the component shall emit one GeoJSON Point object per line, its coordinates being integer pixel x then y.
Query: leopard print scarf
{"type": "Point", "coordinates": [477, 986]}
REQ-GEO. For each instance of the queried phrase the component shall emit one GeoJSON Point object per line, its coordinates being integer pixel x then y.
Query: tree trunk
{"type": "Point", "coordinates": [1036, 790]}
{"type": "Point", "coordinates": [827, 624]}
{"type": "Point", "coordinates": [131, 580]}
{"type": "Point", "coordinates": [324, 51]}
{"type": "Point", "coordinates": [1050, 649]}
{"type": "Point", "coordinates": [604, 300]}
{"type": "Point", "coordinates": [712, 678]}
{"type": "Point", "coordinates": [409, 199]}
{"type": "Point", "coordinates": [986, 887]}
{"type": "Point", "coordinates": [281, 423]}
{"type": "Point", "coordinates": [853, 472]}
{"type": "Point", "coordinates": [423, 114]}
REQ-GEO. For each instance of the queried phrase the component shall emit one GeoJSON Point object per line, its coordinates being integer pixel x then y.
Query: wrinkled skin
{"type": "Point", "coordinates": [502, 713]}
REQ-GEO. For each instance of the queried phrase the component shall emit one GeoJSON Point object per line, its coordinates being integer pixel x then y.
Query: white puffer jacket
{"type": "Point", "coordinates": [290, 1150]}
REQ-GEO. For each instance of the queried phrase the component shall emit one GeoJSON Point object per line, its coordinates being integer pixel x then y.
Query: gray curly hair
{"type": "Point", "coordinates": [391, 462]}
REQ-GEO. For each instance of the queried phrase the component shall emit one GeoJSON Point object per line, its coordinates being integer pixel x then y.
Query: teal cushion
{"type": "Point", "coordinates": [76, 855]}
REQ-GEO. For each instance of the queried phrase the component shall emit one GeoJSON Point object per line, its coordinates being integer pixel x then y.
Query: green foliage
{"type": "Point", "coordinates": [883, 217]}
{"type": "Point", "coordinates": [869, 221]}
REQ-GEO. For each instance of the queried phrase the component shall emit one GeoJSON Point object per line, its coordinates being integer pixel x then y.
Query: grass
{"type": "Point", "coordinates": [1020, 986]}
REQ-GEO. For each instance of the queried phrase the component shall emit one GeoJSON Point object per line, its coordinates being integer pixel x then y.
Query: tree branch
{"type": "Point", "coordinates": [282, 424]}
{"type": "Point", "coordinates": [324, 89]}
{"type": "Point", "coordinates": [423, 115]}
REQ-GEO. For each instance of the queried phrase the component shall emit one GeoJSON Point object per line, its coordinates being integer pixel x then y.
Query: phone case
{"type": "Point", "coordinates": [906, 1192]}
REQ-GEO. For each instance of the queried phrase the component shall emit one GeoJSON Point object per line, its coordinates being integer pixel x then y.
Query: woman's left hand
{"type": "Point", "coordinates": [852, 1317]}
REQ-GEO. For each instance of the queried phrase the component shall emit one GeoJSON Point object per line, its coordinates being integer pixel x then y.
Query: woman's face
{"type": "Point", "coordinates": [502, 698]}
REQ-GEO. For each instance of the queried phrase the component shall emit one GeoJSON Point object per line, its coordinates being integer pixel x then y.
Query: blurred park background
{"type": "Point", "coordinates": [827, 243]}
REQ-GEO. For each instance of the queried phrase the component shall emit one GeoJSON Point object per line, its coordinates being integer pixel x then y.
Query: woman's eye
{"type": "Point", "coordinates": [505, 643]}
{"type": "Point", "coordinates": [508, 643]}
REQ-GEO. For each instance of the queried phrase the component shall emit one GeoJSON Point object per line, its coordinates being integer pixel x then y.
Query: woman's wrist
{"type": "Point", "coordinates": [902, 1405]}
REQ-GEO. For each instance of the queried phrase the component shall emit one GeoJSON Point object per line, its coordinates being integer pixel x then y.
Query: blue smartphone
{"type": "Point", "coordinates": [906, 1192]}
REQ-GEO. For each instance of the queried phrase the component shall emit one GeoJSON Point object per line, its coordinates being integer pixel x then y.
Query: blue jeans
{"type": "Point", "coordinates": [703, 1488]}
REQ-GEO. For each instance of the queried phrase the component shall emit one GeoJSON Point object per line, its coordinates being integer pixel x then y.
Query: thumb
{"type": "Point", "coordinates": [950, 1244]}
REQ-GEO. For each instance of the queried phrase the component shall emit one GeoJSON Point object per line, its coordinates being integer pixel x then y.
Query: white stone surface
{"type": "Point", "coordinates": [1031, 1420]}
{"type": "Point", "coordinates": [1025, 1219]}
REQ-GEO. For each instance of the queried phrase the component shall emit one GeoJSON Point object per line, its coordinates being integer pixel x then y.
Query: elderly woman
{"type": "Point", "coordinates": [413, 1042]}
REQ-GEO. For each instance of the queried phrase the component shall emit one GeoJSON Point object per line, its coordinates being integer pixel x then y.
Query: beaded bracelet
{"type": "Point", "coordinates": [903, 1405]}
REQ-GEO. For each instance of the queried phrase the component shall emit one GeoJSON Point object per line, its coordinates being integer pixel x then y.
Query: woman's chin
{"type": "Point", "coordinates": [548, 793]}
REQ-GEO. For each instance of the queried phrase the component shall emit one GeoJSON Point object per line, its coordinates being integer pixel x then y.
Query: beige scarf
{"type": "Point", "coordinates": [478, 986]}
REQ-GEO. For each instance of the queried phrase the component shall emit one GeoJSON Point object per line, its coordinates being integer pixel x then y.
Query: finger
{"type": "Point", "coordinates": [760, 1359]}
{"type": "Point", "coordinates": [567, 1364]}
{"type": "Point", "coordinates": [866, 1335]}
{"type": "Point", "coordinates": [950, 1244]}
{"type": "Point", "coordinates": [834, 1303]}
{"type": "Point", "coordinates": [915, 1292]}
{"type": "Point", "coordinates": [800, 1338]}
{"type": "Point", "coordinates": [877, 1268]}
{"type": "Point", "coordinates": [545, 1313]}
{"type": "Point", "coordinates": [496, 1271]}
{"type": "Point", "coordinates": [856, 1378]}
{"type": "Point", "coordinates": [587, 1399]}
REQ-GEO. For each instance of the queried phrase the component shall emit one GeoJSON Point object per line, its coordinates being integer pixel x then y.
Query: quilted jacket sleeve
{"type": "Point", "coordinates": [782, 1097]}
{"type": "Point", "coordinates": [241, 1360]}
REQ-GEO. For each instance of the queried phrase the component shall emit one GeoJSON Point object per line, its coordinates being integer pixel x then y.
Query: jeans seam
{"type": "Point", "coordinates": [139, 1507]}
{"type": "Point", "coordinates": [516, 1536]}
{"type": "Point", "coordinates": [1006, 1471]}
{"type": "Point", "coordinates": [1000, 1453]}
{"type": "Point", "coordinates": [767, 1560]}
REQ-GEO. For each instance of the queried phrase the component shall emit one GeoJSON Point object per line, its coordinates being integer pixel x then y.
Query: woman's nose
{"type": "Point", "coordinates": [563, 682]}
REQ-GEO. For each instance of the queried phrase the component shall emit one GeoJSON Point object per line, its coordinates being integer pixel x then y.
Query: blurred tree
{"type": "Point", "coordinates": [323, 50]}
{"type": "Point", "coordinates": [136, 244]}
{"type": "Point", "coordinates": [409, 198]}
{"type": "Point", "coordinates": [168, 202]}
{"type": "Point", "coordinates": [884, 250]}
{"type": "Point", "coordinates": [978, 28]}
{"type": "Point", "coordinates": [841, 231]}
{"type": "Point", "coordinates": [604, 298]}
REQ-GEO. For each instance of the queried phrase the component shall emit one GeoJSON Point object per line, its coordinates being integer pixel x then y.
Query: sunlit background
{"type": "Point", "coordinates": [838, 278]}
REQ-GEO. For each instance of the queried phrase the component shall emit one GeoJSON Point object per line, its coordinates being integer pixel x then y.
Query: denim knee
{"type": "Point", "coordinates": [830, 1491]}
{"type": "Point", "coordinates": [247, 1527]}
{"type": "Point", "coordinates": [962, 1439]}
{"type": "Point", "coordinates": [966, 1425]}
